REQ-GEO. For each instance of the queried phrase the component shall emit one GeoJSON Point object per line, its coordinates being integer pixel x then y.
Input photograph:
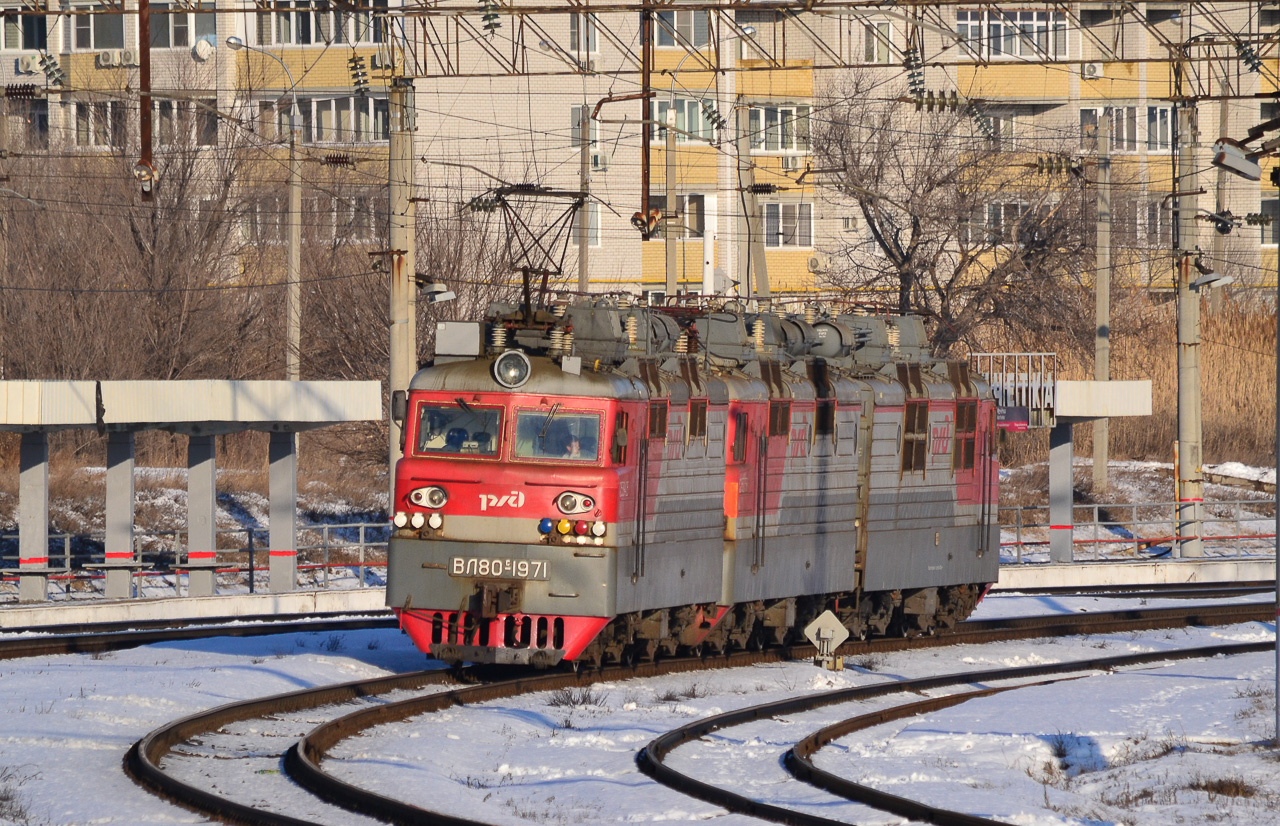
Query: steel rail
{"type": "Point", "coordinates": [798, 759]}
{"type": "Point", "coordinates": [650, 758]}
{"type": "Point", "coordinates": [109, 638]}
{"type": "Point", "coordinates": [302, 761]}
{"type": "Point", "coordinates": [142, 762]}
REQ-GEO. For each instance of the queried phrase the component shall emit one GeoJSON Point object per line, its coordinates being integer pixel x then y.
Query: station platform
{"type": "Point", "coordinates": [292, 603]}
{"type": "Point", "coordinates": [304, 603]}
{"type": "Point", "coordinates": [1136, 573]}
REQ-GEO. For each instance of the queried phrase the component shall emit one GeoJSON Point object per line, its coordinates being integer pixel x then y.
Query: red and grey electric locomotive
{"type": "Point", "coordinates": [601, 483]}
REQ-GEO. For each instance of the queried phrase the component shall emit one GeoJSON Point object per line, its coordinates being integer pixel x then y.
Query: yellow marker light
{"type": "Point", "coordinates": [564, 526]}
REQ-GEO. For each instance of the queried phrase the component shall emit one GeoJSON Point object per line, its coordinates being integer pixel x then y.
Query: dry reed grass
{"type": "Point", "coordinates": [1237, 383]}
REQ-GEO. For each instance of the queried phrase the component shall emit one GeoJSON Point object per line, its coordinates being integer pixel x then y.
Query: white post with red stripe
{"type": "Point", "coordinates": [283, 490]}
{"type": "Point", "coordinates": [33, 517]}
{"type": "Point", "coordinates": [1061, 486]}
{"type": "Point", "coordinates": [119, 515]}
{"type": "Point", "coordinates": [202, 506]}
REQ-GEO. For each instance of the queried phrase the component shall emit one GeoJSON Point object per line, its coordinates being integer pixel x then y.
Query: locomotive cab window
{"type": "Point", "coordinates": [458, 429]}
{"type": "Point", "coordinates": [569, 436]}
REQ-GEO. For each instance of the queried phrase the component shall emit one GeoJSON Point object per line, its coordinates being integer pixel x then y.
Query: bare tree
{"type": "Point", "coordinates": [955, 223]}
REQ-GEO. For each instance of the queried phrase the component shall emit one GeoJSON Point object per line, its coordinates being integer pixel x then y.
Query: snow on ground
{"type": "Point", "coordinates": [1136, 745]}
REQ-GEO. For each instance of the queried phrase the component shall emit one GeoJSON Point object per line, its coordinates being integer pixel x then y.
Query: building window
{"type": "Point", "coordinates": [593, 225]}
{"type": "Point", "coordinates": [26, 31]}
{"type": "Point", "coordinates": [102, 30]}
{"type": "Point", "coordinates": [185, 123]}
{"type": "Point", "coordinates": [682, 28]}
{"type": "Point", "coordinates": [878, 38]}
{"type": "Point", "coordinates": [177, 28]}
{"type": "Point", "coordinates": [1159, 131]}
{"type": "Point", "coordinates": [1124, 127]}
{"type": "Point", "coordinates": [1002, 221]}
{"type": "Point", "coordinates": [582, 33]}
{"type": "Point", "coordinates": [100, 124]}
{"type": "Point", "coordinates": [32, 117]}
{"type": "Point", "coordinates": [787, 225]}
{"type": "Point", "coordinates": [779, 128]}
{"type": "Point", "coordinates": [692, 116]}
{"type": "Point", "coordinates": [1159, 230]}
{"type": "Point", "coordinates": [338, 119]}
{"type": "Point", "coordinates": [1002, 131]}
{"type": "Point", "coordinates": [303, 22]}
{"type": "Point", "coordinates": [575, 126]}
{"type": "Point", "coordinates": [994, 33]}
{"type": "Point", "coordinates": [691, 212]}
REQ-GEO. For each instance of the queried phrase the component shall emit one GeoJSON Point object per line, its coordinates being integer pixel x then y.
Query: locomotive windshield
{"type": "Point", "coordinates": [556, 434]}
{"type": "Point", "coordinates": [458, 429]}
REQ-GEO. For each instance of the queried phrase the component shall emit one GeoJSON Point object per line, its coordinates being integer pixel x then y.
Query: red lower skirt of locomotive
{"type": "Point", "coordinates": [527, 639]}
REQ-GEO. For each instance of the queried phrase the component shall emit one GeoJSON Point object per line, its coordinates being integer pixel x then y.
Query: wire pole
{"type": "Point", "coordinates": [584, 186]}
{"type": "Point", "coordinates": [1102, 299]}
{"type": "Point", "coordinates": [293, 274]}
{"type": "Point", "coordinates": [1190, 485]}
{"type": "Point", "coordinates": [669, 223]}
{"type": "Point", "coordinates": [400, 179]}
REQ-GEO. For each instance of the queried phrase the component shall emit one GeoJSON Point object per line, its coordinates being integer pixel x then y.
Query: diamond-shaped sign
{"type": "Point", "coordinates": [826, 633]}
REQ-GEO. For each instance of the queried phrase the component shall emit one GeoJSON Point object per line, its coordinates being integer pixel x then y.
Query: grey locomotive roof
{"type": "Point", "coordinates": [546, 377]}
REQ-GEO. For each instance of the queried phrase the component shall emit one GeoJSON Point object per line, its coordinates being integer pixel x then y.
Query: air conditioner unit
{"type": "Point", "coordinates": [29, 64]}
{"type": "Point", "coordinates": [108, 57]}
{"type": "Point", "coordinates": [381, 61]}
{"type": "Point", "coordinates": [792, 161]}
{"type": "Point", "coordinates": [849, 223]}
{"type": "Point", "coordinates": [1090, 71]}
{"type": "Point", "coordinates": [600, 161]}
{"type": "Point", "coordinates": [128, 57]}
{"type": "Point", "coordinates": [818, 263]}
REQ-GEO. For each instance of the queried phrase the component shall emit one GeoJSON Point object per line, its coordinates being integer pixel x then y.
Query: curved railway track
{"type": "Point", "coordinates": [798, 759]}
{"type": "Point", "coordinates": [303, 760]}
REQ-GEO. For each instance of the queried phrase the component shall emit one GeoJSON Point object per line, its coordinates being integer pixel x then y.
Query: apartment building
{"type": "Point", "coordinates": [499, 97]}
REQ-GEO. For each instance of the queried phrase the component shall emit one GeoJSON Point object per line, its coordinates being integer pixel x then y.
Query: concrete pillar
{"type": "Point", "coordinates": [283, 453]}
{"type": "Point", "coordinates": [33, 517]}
{"type": "Point", "coordinates": [1060, 492]}
{"type": "Point", "coordinates": [119, 516]}
{"type": "Point", "coordinates": [202, 506]}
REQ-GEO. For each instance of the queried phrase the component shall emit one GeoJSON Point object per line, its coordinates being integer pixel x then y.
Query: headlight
{"type": "Point", "coordinates": [400, 519]}
{"type": "Point", "coordinates": [418, 520]}
{"type": "Point", "coordinates": [570, 502]}
{"type": "Point", "coordinates": [512, 369]}
{"type": "Point", "coordinates": [431, 497]}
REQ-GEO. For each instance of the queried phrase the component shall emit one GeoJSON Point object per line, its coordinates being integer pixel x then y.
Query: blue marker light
{"type": "Point", "coordinates": [545, 526]}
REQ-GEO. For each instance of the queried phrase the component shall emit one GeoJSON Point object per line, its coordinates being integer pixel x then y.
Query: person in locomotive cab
{"type": "Point", "coordinates": [572, 447]}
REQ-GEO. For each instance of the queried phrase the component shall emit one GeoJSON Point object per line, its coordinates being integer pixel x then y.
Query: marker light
{"type": "Point", "coordinates": [580, 528]}
{"type": "Point", "coordinates": [564, 526]}
{"type": "Point", "coordinates": [512, 369]}
{"type": "Point", "coordinates": [434, 521]}
{"type": "Point", "coordinates": [418, 519]}
{"type": "Point", "coordinates": [546, 526]}
{"type": "Point", "coordinates": [400, 519]}
{"type": "Point", "coordinates": [597, 529]}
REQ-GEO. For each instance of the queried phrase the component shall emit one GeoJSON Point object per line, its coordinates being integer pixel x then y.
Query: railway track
{"type": "Point", "coordinates": [117, 636]}
{"type": "Point", "coordinates": [200, 736]}
{"type": "Point", "coordinates": [798, 759]}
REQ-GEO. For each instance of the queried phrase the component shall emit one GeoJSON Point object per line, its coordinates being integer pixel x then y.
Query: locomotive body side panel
{"type": "Point", "coordinates": [922, 531]}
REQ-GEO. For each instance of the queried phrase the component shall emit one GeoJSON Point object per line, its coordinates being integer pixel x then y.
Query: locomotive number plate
{"type": "Point", "coordinates": [534, 569]}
